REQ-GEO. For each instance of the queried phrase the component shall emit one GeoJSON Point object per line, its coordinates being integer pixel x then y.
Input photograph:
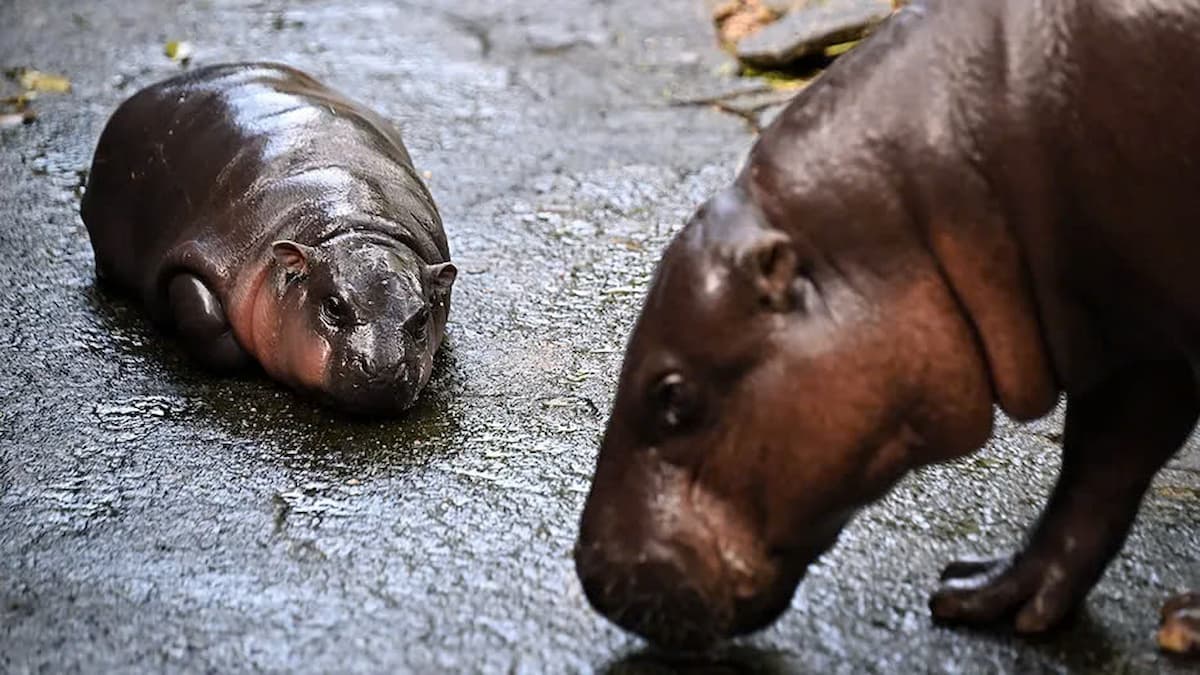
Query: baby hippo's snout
{"type": "Point", "coordinates": [378, 372]}
{"type": "Point", "coordinates": [382, 381]}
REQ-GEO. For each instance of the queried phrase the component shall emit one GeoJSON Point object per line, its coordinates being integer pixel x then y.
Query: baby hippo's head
{"type": "Point", "coordinates": [360, 320]}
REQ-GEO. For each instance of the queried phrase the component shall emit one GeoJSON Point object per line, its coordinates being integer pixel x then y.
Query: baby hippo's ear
{"type": "Point", "coordinates": [441, 277]}
{"type": "Point", "coordinates": [293, 257]}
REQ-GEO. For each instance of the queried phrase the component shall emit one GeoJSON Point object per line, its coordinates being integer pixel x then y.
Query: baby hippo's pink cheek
{"type": "Point", "coordinates": [310, 362]}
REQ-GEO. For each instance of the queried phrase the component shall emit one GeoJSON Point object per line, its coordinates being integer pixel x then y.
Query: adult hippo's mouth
{"type": "Point", "coordinates": [683, 567]}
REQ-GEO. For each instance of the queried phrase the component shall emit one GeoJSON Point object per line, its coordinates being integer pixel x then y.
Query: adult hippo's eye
{"type": "Point", "coordinates": [333, 311]}
{"type": "Point", "coordinates": [674, 400]}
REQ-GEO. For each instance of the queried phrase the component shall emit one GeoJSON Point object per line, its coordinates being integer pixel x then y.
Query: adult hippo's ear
{"type": "Point", "coordinates": [769, 260]}
{"type": "Point", "coordinates": [293, 257]}
{"type": "Point", "coordinates": [441, 277]}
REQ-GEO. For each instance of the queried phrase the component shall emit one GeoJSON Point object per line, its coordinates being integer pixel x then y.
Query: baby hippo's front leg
{"type": "Point", "coordinates": [202, 324]}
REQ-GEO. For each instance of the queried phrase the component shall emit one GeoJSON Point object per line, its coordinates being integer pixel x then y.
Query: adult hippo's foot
{"type": "Point", "coordinates": [1116, 438]}
{"type": "Point", "coordinates": [1179, 630]}
{"type": "Point", "coordinates": [202, 325]}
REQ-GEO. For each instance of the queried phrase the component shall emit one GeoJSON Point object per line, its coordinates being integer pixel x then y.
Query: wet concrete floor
{"type": "Point", "coordinates": [153, 518]}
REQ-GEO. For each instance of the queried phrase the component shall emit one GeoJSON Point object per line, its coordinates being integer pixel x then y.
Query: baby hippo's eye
{"type": "Point", "coordinates": [333, 311]}
{"type": "Point", "coordinates": [674, 400]}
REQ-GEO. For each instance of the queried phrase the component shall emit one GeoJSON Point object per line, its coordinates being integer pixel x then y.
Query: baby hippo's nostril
{"type": "Point", "coordinates": [379, 371]}
{"type": "Point", "coordinates": [362, 365]}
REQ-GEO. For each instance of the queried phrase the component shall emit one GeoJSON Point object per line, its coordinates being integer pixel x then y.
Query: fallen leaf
{"type": "Point", "coordinates": [833, 51]}
{"type": "Point", "coordinates": [19, 102]}
{"type": "Point", "coordinates": [736, 19]}
{"type": "Point", "coordinates": [36, 80]}
{"type": "Point", "coordinates": [178, 50]}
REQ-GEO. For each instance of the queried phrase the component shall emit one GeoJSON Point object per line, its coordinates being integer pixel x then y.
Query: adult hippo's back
{"type": "Point", "coordinates": [265, 217]}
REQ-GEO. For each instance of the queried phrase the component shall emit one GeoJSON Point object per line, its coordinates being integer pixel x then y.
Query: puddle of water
{"type": "Point", "coordinates": [138, 412]}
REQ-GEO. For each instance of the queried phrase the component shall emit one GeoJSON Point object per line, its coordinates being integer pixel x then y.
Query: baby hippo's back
{"type": "Point", "coordinates": [233, 156]}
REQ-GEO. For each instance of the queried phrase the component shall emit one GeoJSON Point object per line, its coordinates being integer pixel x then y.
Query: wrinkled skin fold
{"type": "Point", "coordinates": [986, 204]}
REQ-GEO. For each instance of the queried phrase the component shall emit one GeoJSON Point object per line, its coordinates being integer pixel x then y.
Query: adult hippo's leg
{"type": "Point", "coordinates": [202, 325]}
{"type": "Point", "coordinates": [1116, 438]}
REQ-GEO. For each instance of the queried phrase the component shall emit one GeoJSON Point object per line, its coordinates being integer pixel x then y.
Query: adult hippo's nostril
{"type": "Point", "coordinates": [652, 595]}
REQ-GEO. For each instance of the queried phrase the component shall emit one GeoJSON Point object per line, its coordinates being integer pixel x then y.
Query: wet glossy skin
{"type": "Point", "coordinates": [382, 319]}
{"type": "Point", "coordinates": [981, 205]}
{"type": "Point", "coordinates": [265, 217]}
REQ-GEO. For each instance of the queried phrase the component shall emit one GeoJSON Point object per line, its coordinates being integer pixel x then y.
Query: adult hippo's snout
{"type": "Point", "coordinates": [663, 558]}
{"type": "Point", "coordinates": [652, 595]}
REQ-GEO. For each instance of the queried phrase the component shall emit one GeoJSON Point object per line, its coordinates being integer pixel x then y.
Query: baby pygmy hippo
{"type": "Point", "coordinates": [264, 217]}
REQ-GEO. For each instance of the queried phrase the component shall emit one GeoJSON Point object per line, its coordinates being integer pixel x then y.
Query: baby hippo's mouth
{"type": "Point", "coordinates": [366, 389]}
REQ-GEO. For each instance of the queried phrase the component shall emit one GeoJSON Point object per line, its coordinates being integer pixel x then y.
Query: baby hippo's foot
{"type": "Point", "coordinates": [201, 322]}
{"type": "Point", "coordinates": [1179, 630]}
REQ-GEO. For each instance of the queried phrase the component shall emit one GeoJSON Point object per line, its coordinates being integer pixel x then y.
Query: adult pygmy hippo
{"type": "Point", "coordinates": [987, 203]}
{"type": "Point", "coordinates": [263, 216]}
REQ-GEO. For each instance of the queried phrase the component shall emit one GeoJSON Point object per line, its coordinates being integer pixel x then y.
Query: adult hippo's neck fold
{"type": "Point", "coordinates": [924, 172]}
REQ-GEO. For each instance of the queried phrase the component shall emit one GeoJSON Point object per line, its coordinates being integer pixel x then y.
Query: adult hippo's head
{"type": "Point", "coordinates": [357, 320]}
{"type": "Point", "coordinates": [769, 390]}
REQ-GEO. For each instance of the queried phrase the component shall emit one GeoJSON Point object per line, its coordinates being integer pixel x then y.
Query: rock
{"type": "Point", "coordinates": [808, 30]}
{"type": "Point", "coordinates": [556, 38]}
{"type": "Point", "coordinates": [735, 19]}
